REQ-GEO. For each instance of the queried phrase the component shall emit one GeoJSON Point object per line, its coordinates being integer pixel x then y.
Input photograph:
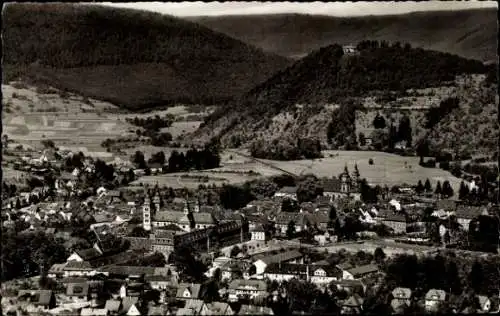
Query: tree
{"type": "Point", "coordinates": [379, 255]}
{"type": "Point", "coordinates": [18, 204]}
{"type": "Point", "coordinates": [422, 149]}
{"type": "Point", "coordinates": [463, 191]}
{"type": "Point", "coordinates": [404, 130]}
{"type": "Point", "coordinates": [420, 187]}
{"type": "Point", "coordinates": [447, 189]}
{"type": "Point", "coordinates": [438, 190]}
{"type": "Point", "coordinates": [288, 205]}
{"type": "Point", "coordinates": [309, 189]}
{"type": "Point", "coordinates": [379, 122]}
{"type": "Point", "coordinates": [333, 213]}
{"type": "Point", "coordinates": [138, 159]}
{"type": "Point", "coordinates": [290, 231]}
{"type": "Point", "coordinates": [476, 277]}
{"type": "Point", "coordinates": [452, 278]}
{"type": "Point", "coordinates": [427, 186]}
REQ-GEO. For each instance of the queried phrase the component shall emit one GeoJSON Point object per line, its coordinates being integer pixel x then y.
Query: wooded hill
{"type": "Point", "coordinates": [132, 58]}
{"type": "Point", "coordinates": [328, 77]}
{"type": "Point", "coordinates": [469, 33]}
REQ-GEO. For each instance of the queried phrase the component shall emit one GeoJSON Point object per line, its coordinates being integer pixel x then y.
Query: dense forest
{"type": "Point", "coordinates": [160, 58]}
{"type": "Point", "coordinates": [286, 149]}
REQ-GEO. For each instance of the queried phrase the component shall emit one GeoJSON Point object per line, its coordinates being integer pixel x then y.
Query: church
{"type": "Point", "coordinates": [189, 218]}
{"type": "Point", "coordinates": [345, 185]}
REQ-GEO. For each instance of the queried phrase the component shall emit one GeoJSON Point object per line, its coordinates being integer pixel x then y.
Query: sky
{"type": "Point", "coordinates": [323, 8]}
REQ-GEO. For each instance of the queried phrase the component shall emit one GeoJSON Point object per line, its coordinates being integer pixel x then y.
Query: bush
{"type": "Point", "coordinates": [445, 165]}
{"type": "Point", "coordinates": [370, 161]}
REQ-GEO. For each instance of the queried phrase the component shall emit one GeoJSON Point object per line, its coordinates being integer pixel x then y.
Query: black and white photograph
{"type": "Point", "coordinates": [250, 158]}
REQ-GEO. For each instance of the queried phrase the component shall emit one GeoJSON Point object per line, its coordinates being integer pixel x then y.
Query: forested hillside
{"type": "Point", "coordinates": [468, 33]}
{"type": "Point", "coordinates": [133, 58]}
{"type": "Point", "coordinates": [304, 99]}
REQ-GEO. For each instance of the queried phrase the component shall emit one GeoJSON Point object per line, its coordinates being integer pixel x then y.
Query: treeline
{"type": "Point", "coordinates": [435, 114]}
{"type": "Point", "coordinates": [154, 123]}
{"type": "Point", "coordinates": [193, 160]}
{"type": "Point", "coordinates": [24, 255]}
{"type": "Point", "coordinates": [341, 131]}
{"type": "Point", "coordinates": [286, 149]}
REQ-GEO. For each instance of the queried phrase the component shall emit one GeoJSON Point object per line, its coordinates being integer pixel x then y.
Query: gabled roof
{"type": "Point", "coordinates": [362, 270]}
{"type": "Point", "coordinates": [203, 218]}
{"type": "Point", "coordinates": [57, 268]}
{"type": "Point", "coordinates": [88, 254]}
{"type": "Point", "coordinates": [168, 216]}
{"type": "Point", "coordinates": [193, 288]}
{"type": "Point", "coordinates": [128, 302]}
{"type": "Point", "coordinates": [219, 308]}
{"type": "Point", "coordinates": [354, 301]}
{"type": "Point", "coordinates": [94, 312]}
{"type": "Point", "coordinates": [113, 305]}
{"type": "Point", "coordinates": [77, 266]}
{"type": "Point", "coordinates": [288, 190]}
{"type": "Point", "coordinates": [434, 294]}
{"type": "Point", "coordinates": [128, 270]}
{"type": "Point", "coordinates": [77, 289]}
{"type": "Point", "coordinates": [282, 257]}
{"type": "Point", "coordinates": [286, 268]}
{"type": "Point", "coordinates": [195, 305]}
{"type": "Point", "coordinates": [259, 285]}
{"type": "Point", "coordinates": [157, 310]}
{"type": "Point", "coordinates": [38, 297]}
{"type": "Point", "coordinates": [331, 185]}
{"type": "Point", "coordinates": [401, 293]}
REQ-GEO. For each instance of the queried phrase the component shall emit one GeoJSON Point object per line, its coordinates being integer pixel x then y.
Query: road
{"type": "Point", "coordinates": [270, 165]}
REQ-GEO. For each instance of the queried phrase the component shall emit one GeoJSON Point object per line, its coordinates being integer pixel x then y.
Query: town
{"type": "Point", "coordinates": [210, 158]}
{"type": "Point", "coordinates": [308, 245]}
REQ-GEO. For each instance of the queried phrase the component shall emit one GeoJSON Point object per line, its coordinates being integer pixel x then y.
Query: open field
{"type": "Point", "coordinates": [179, 180]}
{"type": "Point", "coordinates": [387, 168]}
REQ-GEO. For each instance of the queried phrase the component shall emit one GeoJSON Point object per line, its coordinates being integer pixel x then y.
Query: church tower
{"type": "Point", "coordinates": [345, 181]}
{"type": "Point", "coordinates": [146, 213]}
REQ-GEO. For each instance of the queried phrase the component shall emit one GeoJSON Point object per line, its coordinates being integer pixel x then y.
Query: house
{"type": "Point", "coordinates": [350, 286]}
{"type": "Point", "coordinates": [353, 305]}
{"type": "Point", "coordinates": [324, 274]}
{"type": "Point", "coordinates": [397, 222]}
{"type": "Point", "coordinates": [195, 307]}
{"type": "Point", "coordinates": [86, 254]}
{"type": "Point", "coordinates": [77, 268]}
{"type": "Point", "coordinates": [56, 271]}
{"type": "Point", "coordinates": [201, 221]}
{"type": "Point", "coordinates": [44, 299]}
{"type": "Point", "coordinates": [286, 271]}
{"type": "Point", "coordinates": [359, 272]}
{"type": "Point", "coordinates": [94, 312]}
{"type": "Point", "coordinates": [401, 299]}
{"type": "Point", "coordinates": [349, 49]}
{"type": "Point", "coordinates": [484, 304]}
{"type": "Point", "coordinates": [165, 218]}
{"type": "Point", "coordinates": [113, 306]}
{"type": "Point", "coordinates": [78, 292]}
{"type": "Point", "coordinates": [255, 310]}
{"type": "Point", "coordinates": [283, 219]}
{"type": "Point", "coordinates": [287, 192]}
{"type": "Point", "coordinates": [188, 291]}
{"type": "Point", "coordinates": [258, 233]}
{"type": "Point", "coordinates": [217, 308]}
{"type": "Point", "coordinates": [249, 288]}
{"type": "Point", "coordinates": [234, 268]}
{"type": "Point", "coordinates": [291, 256]}
{"type": "Point", "coordinates": [433, 298]}
{"type": "Point", "coordinates": [465, 214]}
{"type": "Point", "coordinates": [158, 282]}
{"type": "Point", "coordinates": [129, 306]}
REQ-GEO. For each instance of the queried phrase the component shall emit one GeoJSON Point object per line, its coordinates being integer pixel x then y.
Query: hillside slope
{"type": "Point", "coordinates": [469, 33]}
{"type": "Point", "coordinates": [301, 100]}
{"type": "Point", "coordinates": [132, 58]}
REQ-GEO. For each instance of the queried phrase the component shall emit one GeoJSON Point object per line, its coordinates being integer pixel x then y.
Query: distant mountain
{"type": "Point", "coordinates": [469, 33]}
{"type": "Point", "coordinates": [132, 58]}
{"type": "Point", "coordinates": [300, 100]}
